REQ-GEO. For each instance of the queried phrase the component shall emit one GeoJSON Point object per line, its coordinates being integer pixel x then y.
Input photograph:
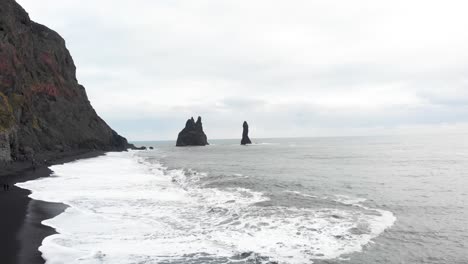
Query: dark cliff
{"type": "Point", "coordinates": [245, 134]}
{"type": "Point", "coordinates": [43, 108]}
{"type": "Point", "coordinates": [192, 134]}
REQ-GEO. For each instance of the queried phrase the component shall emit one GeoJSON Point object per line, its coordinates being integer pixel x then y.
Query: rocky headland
{"type": "Point", "coordinates": [245, 134]}
{"type": "Point", "coordinates": [44, 112]}
{"type": "Point", "coordinates": [192, 134]}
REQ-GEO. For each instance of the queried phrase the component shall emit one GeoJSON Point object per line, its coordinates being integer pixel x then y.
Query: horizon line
{"type": "Point", "coordinates": [306, 137]}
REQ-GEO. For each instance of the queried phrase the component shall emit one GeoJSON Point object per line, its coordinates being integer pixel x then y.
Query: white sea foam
{"type": "Point", "coordinates": [348, 200]}
{"type": "Point", "coordinates": [265, 143]}
{"type": "Point", "coordinates": [125, 210]}
{"type": "Point", "coordinates": [301, 194]}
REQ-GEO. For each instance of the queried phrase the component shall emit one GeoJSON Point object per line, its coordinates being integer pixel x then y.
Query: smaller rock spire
{"type": "Point", "coordinates": [245, 134]}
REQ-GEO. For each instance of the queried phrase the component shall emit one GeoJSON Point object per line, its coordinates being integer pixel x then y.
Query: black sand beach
{"type": "Point", "coordinates": [20, 222]}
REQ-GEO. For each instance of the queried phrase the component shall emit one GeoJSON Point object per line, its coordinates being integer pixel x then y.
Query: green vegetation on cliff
{"type": "Point", "coordinates": [7, 119]}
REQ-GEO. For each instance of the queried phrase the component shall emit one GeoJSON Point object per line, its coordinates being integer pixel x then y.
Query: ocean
{"type": "Point", "coordinates": [357, 200]}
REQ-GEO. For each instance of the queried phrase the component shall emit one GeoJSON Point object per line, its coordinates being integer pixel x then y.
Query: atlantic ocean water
{"type": "Point", "coordinates": [394, 199]}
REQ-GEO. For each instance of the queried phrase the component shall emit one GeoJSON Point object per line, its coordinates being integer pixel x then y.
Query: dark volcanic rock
{"type": "Point", "coordinates": [43, 108]}
{"type": "Point", "coordinates": [140, 148]}
{"type": "Point", "coordinates": [192, 134]}
{"type": "Point", "coordinates": [245, 134]}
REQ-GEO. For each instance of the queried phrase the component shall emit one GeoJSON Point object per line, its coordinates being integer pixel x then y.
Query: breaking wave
{"type": "Point", "coordinates": [124, 208]}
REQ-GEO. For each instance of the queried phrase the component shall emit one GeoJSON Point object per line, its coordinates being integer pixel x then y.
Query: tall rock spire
{"type": "Point", "coordinates": [245, 134]}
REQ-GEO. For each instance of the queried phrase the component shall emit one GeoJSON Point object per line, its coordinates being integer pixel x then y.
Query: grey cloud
{"type": "Point", "coordinates": [315, 67]}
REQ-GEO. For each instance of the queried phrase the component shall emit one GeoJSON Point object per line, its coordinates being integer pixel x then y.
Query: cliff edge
{"type": "Point", "coordinates": [43, 108]}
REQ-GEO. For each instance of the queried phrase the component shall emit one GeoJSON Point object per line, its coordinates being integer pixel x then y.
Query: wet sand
{"type": "Point", "coordinates": [20, 220]}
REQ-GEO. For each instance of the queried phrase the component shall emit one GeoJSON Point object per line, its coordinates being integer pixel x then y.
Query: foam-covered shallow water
{"type": "Point", "coordinates": [267, 203]}
{"type": "Point", "coordinates": [124, 209]}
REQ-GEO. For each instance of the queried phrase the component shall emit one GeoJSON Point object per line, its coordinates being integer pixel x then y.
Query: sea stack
{"type": "Point", "coordinates": [192, 134]}
{"type": "Point", "coordinates": [245, 134]}
{"type": "Point", "coordinates": [44, 112]}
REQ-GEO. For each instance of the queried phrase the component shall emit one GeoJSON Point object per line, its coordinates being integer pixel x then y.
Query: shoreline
{"type": "Point", "coordinates": [21, 220]}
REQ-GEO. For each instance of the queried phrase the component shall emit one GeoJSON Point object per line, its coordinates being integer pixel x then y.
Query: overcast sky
{"type": "Point", "coordinates": [290, 68]}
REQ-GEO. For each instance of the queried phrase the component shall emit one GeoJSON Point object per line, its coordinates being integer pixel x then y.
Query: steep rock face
{"type": "Point", "coordinates": [192, 134]}
{"type": "Point", "coordinates": [43, 108]}
{"type": "Point", "coordinates": [245, 134]}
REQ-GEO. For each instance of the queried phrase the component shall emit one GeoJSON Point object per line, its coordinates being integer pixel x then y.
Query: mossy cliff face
{"type": "Point", "coordinates": [7, 123]}
{"type": "Point", "coordinates": [7, 119]}
{"type": "Point", "coordinates": [42, 105]}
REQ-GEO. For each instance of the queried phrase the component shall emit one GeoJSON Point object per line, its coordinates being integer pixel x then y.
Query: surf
{"type": "Point", "coordinates": [125, 208]}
